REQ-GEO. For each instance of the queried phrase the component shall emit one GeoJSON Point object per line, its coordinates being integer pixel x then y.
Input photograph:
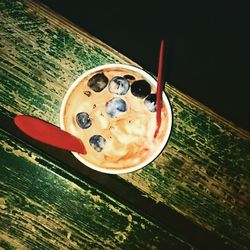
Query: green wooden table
{"type": "Point", "coordinates": [194, 196]}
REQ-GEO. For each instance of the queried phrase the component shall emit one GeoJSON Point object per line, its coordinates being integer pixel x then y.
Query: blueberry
{"type": "Point", "coordinates": [83, 120]}
{"type": "Point", "coordinates": [129, 77]}
{"type": "Point", "coordinates": [140, 88]}
{"type": "Point", "coordinates": [118, 85]}
{"type": "Point", "coordinates": [115, 106]}
{"type": "Point", "coordinates": [97, 142]}
{"type": "Point", "coordinates": [150, 102]}
{"type": "Point", "coordinates": [98, 82]}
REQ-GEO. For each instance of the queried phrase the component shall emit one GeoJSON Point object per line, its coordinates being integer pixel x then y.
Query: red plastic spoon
{"type": "Point", "coordinates": [159, 89]}
{"type": "Point", "coordinates": [49, 133]}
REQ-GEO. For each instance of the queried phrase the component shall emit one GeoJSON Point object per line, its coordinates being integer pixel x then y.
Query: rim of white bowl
{"type": "Point", "coordinates": [166, 101]}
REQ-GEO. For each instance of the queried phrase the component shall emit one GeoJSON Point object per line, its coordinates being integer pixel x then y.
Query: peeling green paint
{"type": "Point", "coordinates": [203, 173]}
{"type": "Point", "coordinates": [52, 212]}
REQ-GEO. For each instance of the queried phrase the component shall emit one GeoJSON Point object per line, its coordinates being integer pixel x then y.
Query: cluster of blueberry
{"type": "Point", "coordinates": [118, 85]}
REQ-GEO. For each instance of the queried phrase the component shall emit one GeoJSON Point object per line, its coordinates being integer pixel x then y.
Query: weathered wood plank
{"type": "Point", "coordinates": [160, 214]}
{"type": "Point", "coordinates": [43, 210]}
{"type": "Point", "coordinates": [204, 171]}
{"type": "Point", "coordinates": [45, 53]}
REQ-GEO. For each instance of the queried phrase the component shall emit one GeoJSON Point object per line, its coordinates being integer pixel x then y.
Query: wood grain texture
{"type": "Point", "coordinates": [43, 210]}
{"type": "Point", "coordinates": [203, 173]}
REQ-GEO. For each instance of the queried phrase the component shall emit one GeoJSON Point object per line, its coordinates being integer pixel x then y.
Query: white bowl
{"type": "Point", "coordinates": [161, 146]}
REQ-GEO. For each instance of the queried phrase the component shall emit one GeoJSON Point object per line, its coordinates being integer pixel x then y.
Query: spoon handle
{"type": "Point", "coordinates": [49, 133]}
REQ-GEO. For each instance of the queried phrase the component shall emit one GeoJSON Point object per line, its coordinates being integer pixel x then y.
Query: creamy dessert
{"type": "Point", "coordinates": [113, 111]}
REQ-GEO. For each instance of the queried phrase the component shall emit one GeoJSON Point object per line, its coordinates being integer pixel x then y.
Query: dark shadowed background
{"type": "Point", "coordinates": [208, 44]}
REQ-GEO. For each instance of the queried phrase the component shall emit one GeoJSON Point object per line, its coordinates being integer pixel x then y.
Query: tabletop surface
{"type": "Point", "coordinates": [194, 195]}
